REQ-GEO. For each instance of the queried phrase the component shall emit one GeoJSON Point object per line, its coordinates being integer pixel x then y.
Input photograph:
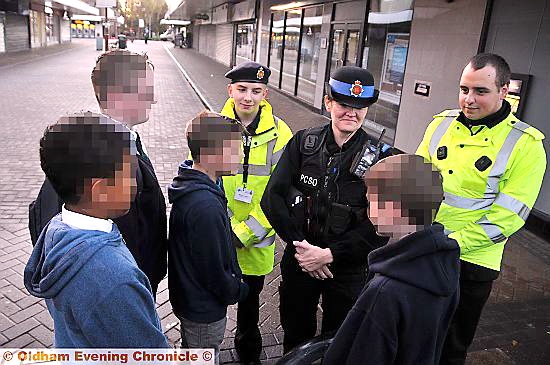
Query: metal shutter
{"type": "Point", "coordinates": [224, 43]}
{"type": "Point", "coordinates": [16, 32]}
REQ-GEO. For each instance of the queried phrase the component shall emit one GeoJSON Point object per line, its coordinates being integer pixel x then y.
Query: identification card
{"type": "Point", "coordinates": [244, 195]}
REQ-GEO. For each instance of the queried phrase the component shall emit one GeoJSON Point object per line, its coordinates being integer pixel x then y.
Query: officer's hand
{"type": "Point", "coordinates": [321, 274]}
{"type": "Point", "coordinates": [312, 257]}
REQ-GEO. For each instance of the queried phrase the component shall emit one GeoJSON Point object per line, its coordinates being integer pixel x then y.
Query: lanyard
{"type": "Point", "coordinates": [247, 142]}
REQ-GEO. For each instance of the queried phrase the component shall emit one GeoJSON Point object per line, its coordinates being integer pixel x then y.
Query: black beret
{"type": "Point", "coordinates": [352, 86]}
{"type": "Point", "coordinates": [249, 72]}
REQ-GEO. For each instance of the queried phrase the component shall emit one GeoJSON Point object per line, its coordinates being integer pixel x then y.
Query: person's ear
{"type": "Point", "coordinates": [230, 90]}
{"type": "Point", "coordinates": [328, 103]}
{"type": "Point", "coordinates": [98, 190]}
{"type": "Point", "coordinates": [504, 91]}
{"type": "Point", "coordinates": [265, 92]}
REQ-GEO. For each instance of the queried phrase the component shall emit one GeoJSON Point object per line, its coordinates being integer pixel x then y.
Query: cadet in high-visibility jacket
{"type": "Point", "coordinates": [253, 234]}
{"type": "Point", "coordinates": [492, 166]}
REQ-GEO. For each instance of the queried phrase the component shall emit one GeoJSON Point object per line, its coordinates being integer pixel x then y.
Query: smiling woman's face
{"type": "Point", "coordinates": [345, 118]}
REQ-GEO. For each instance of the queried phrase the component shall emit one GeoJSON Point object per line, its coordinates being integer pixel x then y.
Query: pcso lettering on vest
{"type": "Point", "coordinates": [308, 180]}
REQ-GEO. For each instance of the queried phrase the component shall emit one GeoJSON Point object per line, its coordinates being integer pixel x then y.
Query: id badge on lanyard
{"type": "Point", "coordinates": [243, 194]}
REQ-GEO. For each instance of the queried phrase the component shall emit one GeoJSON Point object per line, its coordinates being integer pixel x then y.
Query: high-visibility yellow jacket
{"type": "Point", "coordinates": [247, 220]}
{"type": "Point", "coordinates": [491, 181]}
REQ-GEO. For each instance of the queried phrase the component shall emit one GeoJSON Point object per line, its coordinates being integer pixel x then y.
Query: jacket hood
{"type": "Point", "coordinates": [60, 253]}
{"type": "Point", "coordinates": [190, 180]}
{"type": "Point", "coordinates": [427, 259]}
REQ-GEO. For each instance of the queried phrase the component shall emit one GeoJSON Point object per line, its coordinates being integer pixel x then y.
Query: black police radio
{"type": "Point", "coordinates": [369, 155]}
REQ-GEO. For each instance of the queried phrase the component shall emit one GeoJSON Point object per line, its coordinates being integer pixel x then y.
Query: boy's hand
{"type": "Point", "coordinates": [310, 257]}
{"type": "Point", "coordinates": [321, 274]}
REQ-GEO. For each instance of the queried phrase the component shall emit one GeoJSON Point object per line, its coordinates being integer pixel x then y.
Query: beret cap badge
{"type": "Point", "coordinates": [260, 74]}
{"type": "Point", "coordinates": [356, 89]}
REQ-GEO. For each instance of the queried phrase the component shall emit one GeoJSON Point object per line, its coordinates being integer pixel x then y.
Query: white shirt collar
{"type": "Point", "coordinates": [81, 221]}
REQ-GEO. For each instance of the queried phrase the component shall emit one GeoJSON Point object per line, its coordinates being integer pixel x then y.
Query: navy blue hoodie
{"type": "Point", "coordinates": [203, 274]}
{"type": "Point", "coordinates": [93, 288]}
{"type": "Point", "coordinates": [404, 311]}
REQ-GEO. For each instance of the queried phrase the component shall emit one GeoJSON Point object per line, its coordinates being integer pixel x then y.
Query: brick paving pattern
{"type": "Point", "coordinates": [41, 85]}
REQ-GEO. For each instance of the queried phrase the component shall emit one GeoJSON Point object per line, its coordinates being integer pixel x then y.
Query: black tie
{"type": "Point", "coordinates": [140, 148]}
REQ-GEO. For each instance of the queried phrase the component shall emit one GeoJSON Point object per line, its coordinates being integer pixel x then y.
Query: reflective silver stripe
{"type": "Point", "coordinates": [256, 170]}
{"type": "Point", "coordinates": [501, 160]}
{"type": "Point", "coordinates": [257, 229]}
{"type": "Point", "coordinates": [277, 156]}
{"type": "Point", "coordinates": [440, 132]}
{"type": "Point", "coordinates": [468, 203]}
{"type": "Point", "coordinates": [491, 230]}
{"type": "Point", "coordinates": [447, 231]}
{"type": "Point", "coordinates": [230, 213]}
{"type": "Point", "coordinates": [269, 155]}
{"type": "Point", "coordinates": [513, 205]}
{"type": "Point", "coordinates": [268, 241]}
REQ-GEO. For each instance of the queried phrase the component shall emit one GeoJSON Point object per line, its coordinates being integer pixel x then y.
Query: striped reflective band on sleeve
{"type": "Point", "coordinates": [440, 132]}
{"type": "Point", "coordinates": [268, 241]}
{"type": "Point", "coordinates": [468, 203]}
{"type": "Point", "coordinates": [513, 205]}
{"type": "Point", "coordinates": [257, 229]}
{"type": "Point", "coordinates": [491, 230]}
{"type": "Point", "coordinates": [230, 213]}
{"type": "Point", "coordinates": [503, 156]}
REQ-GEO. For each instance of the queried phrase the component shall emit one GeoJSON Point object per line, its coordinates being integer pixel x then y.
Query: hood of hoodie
{"type": "Point", "coordinates": [60, 253]}
{"type": "Point", "coordinates": [190, 180]}
{"type": "Point", "coordinates": [427, 259]}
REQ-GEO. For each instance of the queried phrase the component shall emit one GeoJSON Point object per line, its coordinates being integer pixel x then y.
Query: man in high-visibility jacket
{"type": "Point", "coordinates": [252, 234]}
{"type": "Point", "coordinates": [492, 165]}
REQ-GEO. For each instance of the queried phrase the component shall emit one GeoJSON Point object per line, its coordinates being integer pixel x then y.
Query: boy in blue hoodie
{"type": "Point", "coordinates": [405, 309]}
{"type": "Point", "coordinates": [93, 288]}
{"type": "Point", "coordinates": [203, 273]}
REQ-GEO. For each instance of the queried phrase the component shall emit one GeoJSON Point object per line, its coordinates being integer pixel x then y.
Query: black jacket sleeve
{"type": "Point", "coordinates": [274, 200]}
{"type": "Point", "coordinates": [370, 331]}
{"type": "Point", "coordinates": [212, 256]}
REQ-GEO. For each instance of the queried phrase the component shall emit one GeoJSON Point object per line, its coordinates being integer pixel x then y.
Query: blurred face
{"type": "Point", "coordinates": [479, 95]}
{"type": "Point", "coordinates": [345, 119]}
{"type": "Point", "coordinates": [224, 161]}
{"type": "Point", "coordinates": [385, 215]}
{"type": "Point", "coordinates": [112, 197]}
{"type": "Point", "coordinates": [132, 108]}
{"type": "Point", "coordinates": [247, 96]}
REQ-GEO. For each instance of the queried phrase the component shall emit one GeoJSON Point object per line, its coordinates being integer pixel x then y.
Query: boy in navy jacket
{"type": "Point", "coordinates": [203, 273]}
{"type": "Point", "coordinates": [404, 311]}
{"type": "Point", "coordinates": [94, 291]}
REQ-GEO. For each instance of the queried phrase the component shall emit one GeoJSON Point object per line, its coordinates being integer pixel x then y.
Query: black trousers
{"type": "Point", "coordinates": [299, 296]}
{"type": "Point", "coordinates": [248, 340]}
{"type": "Point", "coordinates": [473, 296]}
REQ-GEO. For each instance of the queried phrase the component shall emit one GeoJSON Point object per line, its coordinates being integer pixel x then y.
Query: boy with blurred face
{"type": "Point", "coordinates": [263, 145]}
{"type": "Point", "coordinates": [404, 311]}
{"type": "Point", "coordinates": [204, 276]}
{"type": "Point", "coordinates": [123, 84]}
{"type": "Point", "coordinates": [80, 264]}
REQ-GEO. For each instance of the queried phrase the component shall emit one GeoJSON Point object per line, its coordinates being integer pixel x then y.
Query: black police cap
{"type": "Point", "coordinates": [352, 86]}
{"type": "Point", "coordinates": [249, 72]}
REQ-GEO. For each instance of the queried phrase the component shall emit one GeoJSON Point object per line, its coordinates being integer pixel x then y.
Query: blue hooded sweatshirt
{"type": "Point", "coordinates": [93, 288]}
{"type": "Point", "coordinates": [203, 273]}
{"type": "Point", "coordinates": [405, 309]}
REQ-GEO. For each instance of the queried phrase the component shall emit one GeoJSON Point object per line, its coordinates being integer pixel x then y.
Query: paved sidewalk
{"type": "Point", "coordinates": [515, 327]}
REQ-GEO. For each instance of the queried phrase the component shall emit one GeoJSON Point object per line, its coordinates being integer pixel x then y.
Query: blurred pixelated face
{"type": "Point", "coordinates": [113, 196]}
{"type": "Point", "coordinates": [247, 97]}
{"type": "Point", "coordinates": [385, 215]}
{"type": "Point", "coordinates": [345, 119]}
{"type": "Point", "coordinates": [131, 102]}
{"type": "Point", "coordinates": [232, 155]}
{"type": "Point", "coordinates": [479, 95]}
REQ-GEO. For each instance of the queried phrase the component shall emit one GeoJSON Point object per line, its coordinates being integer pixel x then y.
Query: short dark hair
{"type": "Point", "coordinates": [501, 66]}
{"type": "Point", "coordinates": [410, 180]}
{"type": "Point", "coordinates": [210, 130]}
{"type": "Point", "coordinates": [118, 68]}
{"type": "Point", "coordinates": [81, 147]}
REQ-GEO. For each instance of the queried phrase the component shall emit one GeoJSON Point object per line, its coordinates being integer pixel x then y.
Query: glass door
{"type": "Point", "coordinates": [345, 46]}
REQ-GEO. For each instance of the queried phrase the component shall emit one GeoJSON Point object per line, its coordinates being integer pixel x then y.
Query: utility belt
{"type": "Point", "coordinates": [336, 220]}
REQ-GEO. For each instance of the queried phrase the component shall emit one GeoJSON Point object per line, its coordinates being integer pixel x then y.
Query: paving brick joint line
{"type": "Point", "coordinates": [514, 328]}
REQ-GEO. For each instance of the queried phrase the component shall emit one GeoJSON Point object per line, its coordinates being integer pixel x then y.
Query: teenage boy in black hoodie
{"type": "Point", "coordinates": [405, 309]}
{"type": "Point", "coordinates": [203, 273]}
